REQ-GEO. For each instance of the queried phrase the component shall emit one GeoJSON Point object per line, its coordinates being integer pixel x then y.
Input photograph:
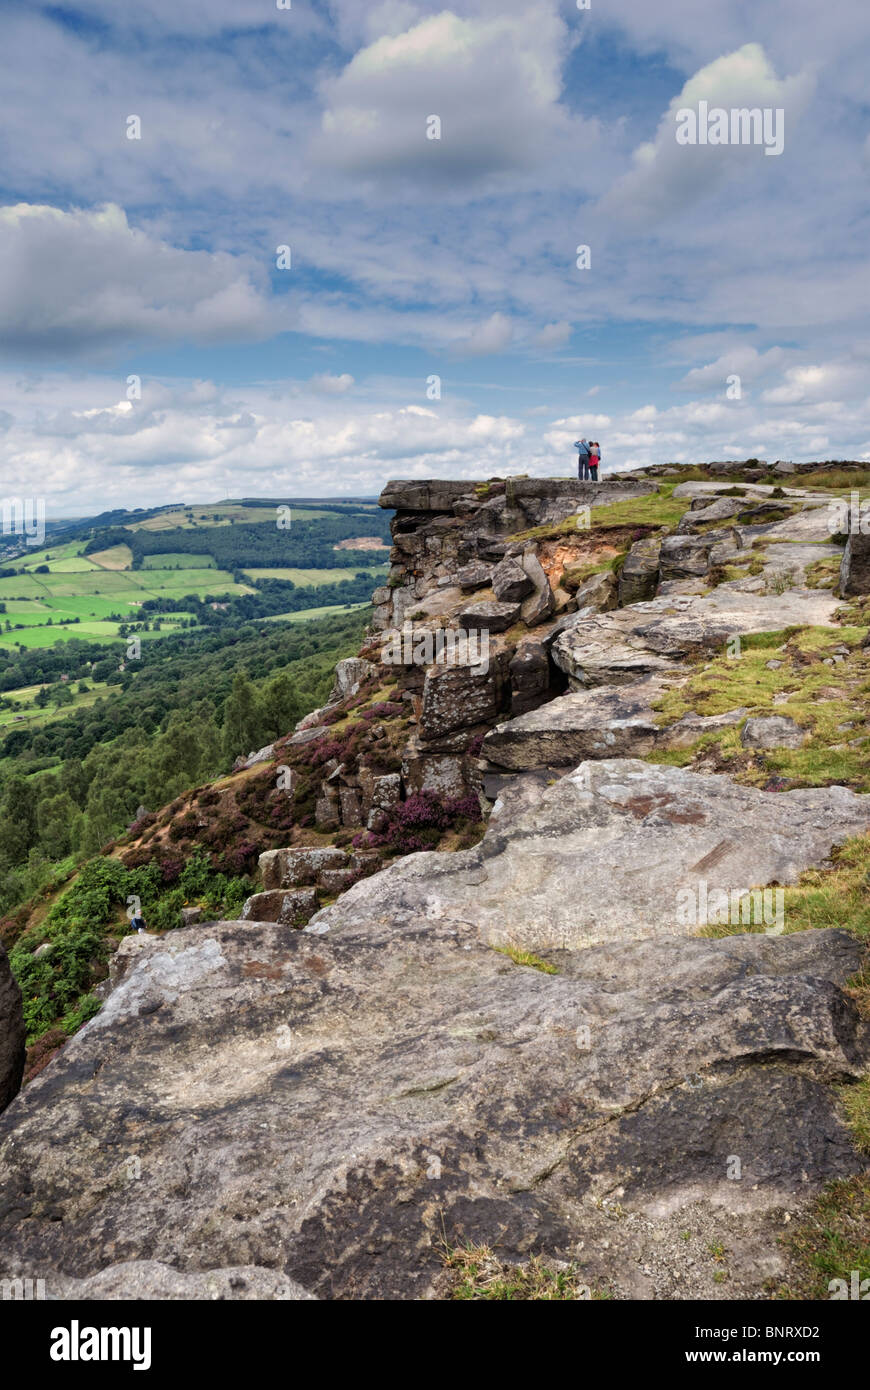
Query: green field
{"type": "Point", "coordinates": [221, 514]}
{"type": "Point", "coordinates": [176, 559]}
{"type": "Point", "coordinates": [34, 717]}
{"type": "Point", "coordinates": [302, 578]}
{"type": "Point", "coordinates": [90, 596]}
{"type": "Point", "coordinates": [77, 588]}
{"type": "Point", "coordinates": [306, 614]}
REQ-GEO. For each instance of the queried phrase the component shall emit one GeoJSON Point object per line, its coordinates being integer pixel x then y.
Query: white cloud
{"type": "Point", "coordinates": [490, 337]}
{"type": "Point", "coordinates": [667, 177]}
{"type": "Point", "coordinates": [553, 335]}
{"type": "Point", "coordinates": [492, 81]}
{"type": "Point", "coordinates": [86, 279]}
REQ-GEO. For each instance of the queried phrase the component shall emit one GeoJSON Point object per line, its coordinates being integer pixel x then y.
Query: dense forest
{"type": "Point", "coordinates": [261, 545]}
{"type": "Point", "coordinates": [178, 719]}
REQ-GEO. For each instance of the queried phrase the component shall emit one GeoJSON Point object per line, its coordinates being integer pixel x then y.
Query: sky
{"type": "Point", "coordinates": [433, 172]}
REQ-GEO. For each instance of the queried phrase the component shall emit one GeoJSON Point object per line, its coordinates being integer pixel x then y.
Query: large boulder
{"type": "Point", "coordinates": [610, 722]}
{"type": "Point", "coordinates": [292, 907]}
{"type": "Point", "coordinates": [493, 617]}
{"type": "Point", "coordinates": [11, 1033]}
{"type": "Point", "coordinates": [295, 868]}
{"type": "Point", "coordinates": [772, 731]}
{"type": "Point", "coordinates": [259, 1111]}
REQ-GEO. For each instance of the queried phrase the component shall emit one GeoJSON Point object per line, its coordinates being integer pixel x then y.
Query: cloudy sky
{"type": "Point", "coordinates": [411, 258]}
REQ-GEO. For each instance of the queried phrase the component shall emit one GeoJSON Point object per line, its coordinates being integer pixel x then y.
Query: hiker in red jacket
{"type": "Point", "coordinates": [594, 460]}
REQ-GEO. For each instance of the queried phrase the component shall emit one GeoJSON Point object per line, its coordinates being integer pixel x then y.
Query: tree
{"type": "Point", "coordinates": [242, 722]}
{"type": "Point", "coordinates": [280, 705]}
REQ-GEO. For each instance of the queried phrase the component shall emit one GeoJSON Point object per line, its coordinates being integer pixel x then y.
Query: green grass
{"type": "Point", "coordinates": [304, 578]}
{"type": "Point", "coordinates": [204, 516]}
{"type": "Point", "coordinates": [116, 557]}
{"type": "Point", "coordinates": [830, 1241]}
{"type": "Point", "coordinates": [527, 958]}
{"type": "Point", "coordinates": [305, 615]}
{"type": "Point", "coordinates": [726, 684]}
{"type": "Point", "coordinates": [477, 1275]}
{"type": "Point", "coordinates": [177, 559]}
{"type": "Point", "coordinates": [654, 509]}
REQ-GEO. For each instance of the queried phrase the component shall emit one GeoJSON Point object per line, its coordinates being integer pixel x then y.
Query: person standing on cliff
{"type": "Point", "coordinates": [594, 460]}
{"type": "Point", "coordinates": [583, 461]}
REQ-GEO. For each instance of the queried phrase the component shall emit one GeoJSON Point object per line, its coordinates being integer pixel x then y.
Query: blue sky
{"type": "Point", "coordinates": [413, 258]}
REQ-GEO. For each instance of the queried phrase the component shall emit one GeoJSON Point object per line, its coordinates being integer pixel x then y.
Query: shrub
{"type": "Point", "coordinates": [165, 913]}
{"type": "Point", "coordinates": [418, 822]}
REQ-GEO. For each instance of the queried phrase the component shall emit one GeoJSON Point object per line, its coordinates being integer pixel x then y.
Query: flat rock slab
{"type": "Point", "coordinates": [607, 722]}
{"type": "Point", "coordinates": [305, 1112]}
{"type": "Point", "coordinates": [608, 852]}
{"type": "Point", "coordinates": [649, 638]}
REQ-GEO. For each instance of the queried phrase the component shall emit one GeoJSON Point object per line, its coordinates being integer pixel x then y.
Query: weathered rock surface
{"type": "Point", "coordinates": [319, 1112]}
{"type": "Point", "coordinates": [649, 638]}
{"type": "Point", "coordinates": [458, 697]}
{"type": "Point", "coordinates": [11, 1033]}
{"type": "Point", "coordinates": [349, 676]}
{"type": "Point", "coordinates": [606, 854]}
{"type": "Point", "coordinates": [494, 617]}
{"type": "Point", "coordinates": [599, 593]}
{"type": "Point", "coordinates": [510, 582]}
{"type": "Point", "coordinates": [855, 566]}
{"type": "Point", "coordinates": [639, 576]}
{"type": "Point", "coordinates": [292, 907]}
{"type": "Point", "coordinates": [772, 731]}
{"type": "Point", "coordinates": [293, 868]}
{"type": "Point", "coordinates": [611, 722]}
{"type": "Point", "coordinates": [148, 1279]}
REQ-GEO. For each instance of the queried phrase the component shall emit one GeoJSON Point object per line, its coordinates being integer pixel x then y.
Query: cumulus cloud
{"type": "Point", "coordinates": [70, 281]}
{"type": "Point", "coordinates": [667, 177]}
{"type": "Point", "coordinates": [450, 101]}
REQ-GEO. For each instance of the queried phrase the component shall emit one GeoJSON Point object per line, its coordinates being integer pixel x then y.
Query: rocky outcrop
{"type": "Point", "coordinates": [267, 1111]}
{"type": "Point", "coordinates": [526, 1042]}
{"type": "Point", "coordinates": [652, 638]}
{"type": "Point", "coordinates": [11, 1033]}
{"type": "Point", "coordinates": [612, 852]}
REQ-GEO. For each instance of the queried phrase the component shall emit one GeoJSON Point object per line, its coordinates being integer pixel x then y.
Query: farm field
{"type": "Point", "coordinates": [306, 577]}
{"type": "Point", "coordinates": [36, 718]}
{"type": "Point", "coordinates": [221, 514]}
{"type": "Point", "coordinates": [304, 615]}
